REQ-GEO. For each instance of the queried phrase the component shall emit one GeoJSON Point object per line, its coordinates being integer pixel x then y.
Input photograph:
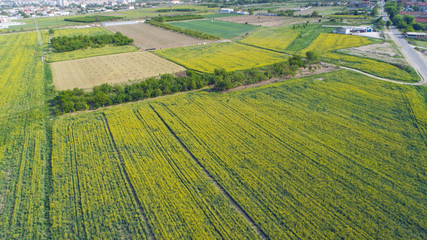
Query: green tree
{"type": "Point", "coordinates": [312, 57]}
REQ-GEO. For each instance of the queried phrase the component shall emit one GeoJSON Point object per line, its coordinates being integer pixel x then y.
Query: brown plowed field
{"type": "Point", "coordinates": [266, 21]}
{"type": "Point", "coordinates": [89, 72]}
{"type": "Point", "coordinates": [147, 36]}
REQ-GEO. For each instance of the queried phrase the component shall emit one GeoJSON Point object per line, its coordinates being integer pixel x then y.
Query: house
{"type": "Point", "coordinates": [342, 30]}
{"type": "Point", "coordinates": [226, 10]}
{"type": "Point", "coordinates": [175, 2]}
{"type": "Point", "coordinates": [416, 35]}
{"type": "Point", "coordinates": [4, 19]}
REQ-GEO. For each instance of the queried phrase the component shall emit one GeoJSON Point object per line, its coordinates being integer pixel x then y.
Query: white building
{"type": "Point", "coordinates": [416, 35]}
{"type": "Point", "coordinates": [4, 19]}
{"type": "Point", "coordinates": [175, 2]}
{"type": "Point", "coordinates": [342, 30]}
{"type": "Point", "coordinates": [226, 10]}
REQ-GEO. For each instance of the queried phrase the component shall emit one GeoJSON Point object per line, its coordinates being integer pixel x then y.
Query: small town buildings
{"type": "Point", "coordinates": [415, 35]}
{"type": "Point", "coordinates": [342, 30]}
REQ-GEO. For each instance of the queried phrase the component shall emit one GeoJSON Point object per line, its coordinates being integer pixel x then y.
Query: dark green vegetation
{"type": "Point", "coordinates": [177, 10]}
{"type": "Point", "coordinates": [406, 22]}
{"type": "Point", "coordinates": [192, 33]}
{"type": "Point", "coordinates": [104, 95]}
{"type": "Point", "coordinates": [66, 44]}
{"type": "Point", "coordinates": [91, 19]}
{"type": "Point", "coordinates": [176, 18]}
{"type": "Point", "coordinates": [216, 27]}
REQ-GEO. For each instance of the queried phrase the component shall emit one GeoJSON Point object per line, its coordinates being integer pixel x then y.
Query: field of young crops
{"type": "Point", "coordinates": [89, 31]}
{"type": "Point", "coordinates": [216, 27]}
{"type": "Point", "coordinates": [90, 52]}
{"type": "Point", "coordinates": [272, 38]}
{"type": "Point", "coordinates": [230, 56]}
{"type": "Point", "coordinates": [337, 155]}
{"type": "Point", "coordinates": [22, 138]}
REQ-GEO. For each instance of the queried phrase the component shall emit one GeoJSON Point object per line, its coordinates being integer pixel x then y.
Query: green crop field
{"type": "Point", "coordinates": [333, 156]}
{"type": "Point", "coordinates": [91, 31]}
{"type": "Point", "coordinates": [216, 27]}
{"type": "Point", "coordinates": [291, 39]}
{"type": "Point", "coordinates": [272, 38]}
{"type": "Point", "coordinates": [90, 52]}
{"type": "Point", "coordinates": [230, 56]}
{"type": "Point", "coordinates": [23, 140]}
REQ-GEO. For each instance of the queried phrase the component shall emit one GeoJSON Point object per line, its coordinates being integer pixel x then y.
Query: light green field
{"type": "Point", "coordinates": [333, 156]}
{"type": "Point", "coordinates": [272, 38]}
{"type": "Point", "coordinates": [289, 39]}
{"type": "Point", "coordinates": [91, 31]}
{"type": "Point", "coordinates": [91, 52]}
{"type": "Point", "coordinates": [230, 56]}
{"type": "Point", "coordinates": [218, 28]}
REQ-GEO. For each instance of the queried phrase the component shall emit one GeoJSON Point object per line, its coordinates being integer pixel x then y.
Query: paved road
{"type": "Point", "coordinates": [411, 56]}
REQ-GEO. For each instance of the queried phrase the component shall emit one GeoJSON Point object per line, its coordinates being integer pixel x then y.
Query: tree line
{"type": "Point", "coordinates": [188, 32]}
{"type": "Point", "coordinates": [406, 22]}
{"type": "Point", "coordinates": [104, 95]}
{"type": "Point", "coordinates": [66, 44]}
{"type": "Point", "coordinates": [176, 18]}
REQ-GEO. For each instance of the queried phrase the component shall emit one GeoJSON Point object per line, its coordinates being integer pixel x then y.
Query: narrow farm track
{"type": "Point", "coordinates": [383, 79]}
{"type": "Point", "coordinates": [135, 196]}
{"type": "Point", "coordinates": [217, 185]}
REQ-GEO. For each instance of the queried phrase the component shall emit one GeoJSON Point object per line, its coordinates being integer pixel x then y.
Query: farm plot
{"type": "Point", "coordinates": [332, 156]}
{"type": "Point", "coordinates": [230, 56]}
{"type": "Point", "coordinates": [326, 43]}
{"type": "Point", "coordinates": [381, 51]}
{"type": "Point", "coordinates": [22, 138]}
{"type": "Point", "coordinates": [89, 72]}
{"type": "Point", "coordinates": [124, 168]}
{"type": "Point", "coordinates": [216, 27]}
{"type": "Point", "coordinates": [87, 31]}
{"type": "Point", "coordinates": [90, 52]}
{"type": "Point", "coordinates": [266, 21]}
{"type": "Point", "coordinates": [310, 158]}
{"type": "Point", "coordinates": [272, 38]}
{"type": "Point", "coordinates": [146, 36]}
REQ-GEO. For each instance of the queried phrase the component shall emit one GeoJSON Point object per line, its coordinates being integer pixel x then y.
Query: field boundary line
{"type": "Point", "coordinates": [135, 196]}
{"type": "Point", "coordinates": [216, 184]}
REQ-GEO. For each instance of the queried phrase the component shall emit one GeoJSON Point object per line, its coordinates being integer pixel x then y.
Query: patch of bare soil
{"type": "Point", "coordinates": [383, 52]}
{"type": "Point", "coordinates": [146, 36]}
{"type": "Point", "coordinates": [303, 73]}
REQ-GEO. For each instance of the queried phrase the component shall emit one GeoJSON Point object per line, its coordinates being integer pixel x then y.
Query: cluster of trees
{"type": "Point", "coordinates": [66, 44]}
{"type": "Point", "coordinates": [177, 10]}
{"type": "Point", "coordinates": [90, 19]}
{"type": "Point", "coordinates": [406, 22]}
{"type": "Point", "coordinates": [226, 80]}
{"type": "Point", "coordinates": [104, 95]}
{"type": "Point", "coordinates": [176, 18]}
{"type": "Point", "coordinates": [188, 32]}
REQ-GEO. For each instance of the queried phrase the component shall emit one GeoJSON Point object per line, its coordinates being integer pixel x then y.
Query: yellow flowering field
{"type": "Point", "coordinates": [228, 55]}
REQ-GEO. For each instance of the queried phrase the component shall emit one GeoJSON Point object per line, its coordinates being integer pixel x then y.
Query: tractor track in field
{"type": "Point", "coordinates": [135, 196]}
{"type": "Point", "coordinates": [212, 179]}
